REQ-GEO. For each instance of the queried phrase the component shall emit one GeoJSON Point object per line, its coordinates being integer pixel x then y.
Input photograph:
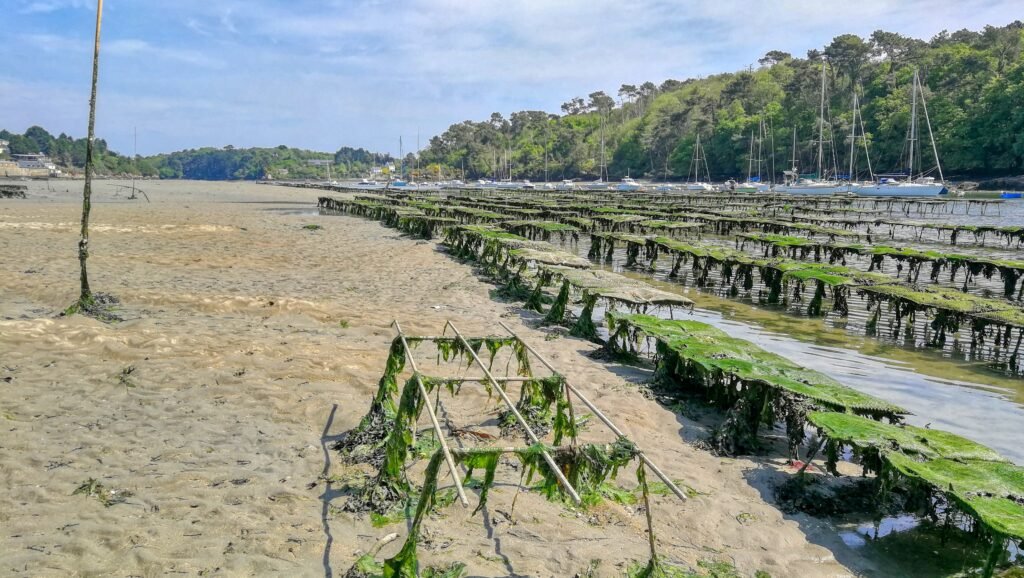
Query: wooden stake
{"type": "Point", "coordinates": [85, 296]}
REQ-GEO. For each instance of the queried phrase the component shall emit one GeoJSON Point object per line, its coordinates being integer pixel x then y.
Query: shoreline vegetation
{"type": "Point", "coordinates": [974, 80]}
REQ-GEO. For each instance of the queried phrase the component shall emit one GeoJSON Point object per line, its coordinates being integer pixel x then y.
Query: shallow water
{"type": "Point", "coordinates": [942, 390]}
{"type": "Point", "coordinates": [948, 394]}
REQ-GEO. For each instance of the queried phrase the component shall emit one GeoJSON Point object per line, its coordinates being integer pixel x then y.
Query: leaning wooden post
{"type": "Point", "coordinates": [85, 297]}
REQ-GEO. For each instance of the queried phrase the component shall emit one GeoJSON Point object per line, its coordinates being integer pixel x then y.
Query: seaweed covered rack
{"type": "Point", "coordinates": [545, 415]}
{"type": "Point", "coordinates": [941, 475]}
{"type": "Point", "coordinates": [755, 387]}
{"type": "Point", "coordinates": [936, 474]}
{"type": "Point", "coordinates": [519, 263]}
{"type": "Point", "coordinates": [1009, 271]}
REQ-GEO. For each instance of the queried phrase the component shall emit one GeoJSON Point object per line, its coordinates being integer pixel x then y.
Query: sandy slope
{"type": "Point", "coordinates": [234, 329]}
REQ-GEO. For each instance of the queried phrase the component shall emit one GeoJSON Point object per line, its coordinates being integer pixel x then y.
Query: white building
{"type": "Point", "coordinates": [3, 146]}
{"type": "Point", "coordinates": [36, 162]}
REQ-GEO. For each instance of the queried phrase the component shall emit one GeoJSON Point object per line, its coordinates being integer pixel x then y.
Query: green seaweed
{"type": "Point", "coordinates": [926, 443]}
{"type": "Point", "coordinates": [756, 386]}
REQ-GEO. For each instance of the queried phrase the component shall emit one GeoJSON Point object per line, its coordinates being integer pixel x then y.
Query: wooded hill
{"type": "Point", "coordinates": [973, 82]}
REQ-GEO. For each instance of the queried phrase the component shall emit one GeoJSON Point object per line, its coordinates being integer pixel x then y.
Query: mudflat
{"type": "Point", "coordinates": [248, 342]}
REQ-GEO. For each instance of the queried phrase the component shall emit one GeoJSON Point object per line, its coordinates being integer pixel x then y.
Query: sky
{"type": "Point", "coordinates": [321, 74]}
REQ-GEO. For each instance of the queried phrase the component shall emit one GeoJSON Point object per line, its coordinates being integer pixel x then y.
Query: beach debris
{"type": "Point", "coordinates": [93, 488]}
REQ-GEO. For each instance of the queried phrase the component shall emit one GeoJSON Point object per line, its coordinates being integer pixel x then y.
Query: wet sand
{"type": "Point", "coordinates": [250, 338]}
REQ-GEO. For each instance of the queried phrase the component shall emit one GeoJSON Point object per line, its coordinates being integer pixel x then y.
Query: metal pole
{"type": "Point", "coordinates": [433, 419]}
{"type": "Point", "coordinates": [522, 421]}
{"type": "Point", "coordinates": [657, 471]}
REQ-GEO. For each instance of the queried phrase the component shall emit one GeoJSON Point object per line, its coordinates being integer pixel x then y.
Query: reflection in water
{"type": "Point", "coordinates": [860, 534]}
{"type": "Point", "coordinates": [910, 546]}
{"type": "Point", "coordinates": [943, 391]}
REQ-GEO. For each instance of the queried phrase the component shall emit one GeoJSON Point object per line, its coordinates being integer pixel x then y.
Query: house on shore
{"type": "Point", "coordinates": [37, 165]}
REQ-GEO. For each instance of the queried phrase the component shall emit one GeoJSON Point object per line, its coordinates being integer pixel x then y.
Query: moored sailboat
{"type": "Point", "coordinates": [906, 184]}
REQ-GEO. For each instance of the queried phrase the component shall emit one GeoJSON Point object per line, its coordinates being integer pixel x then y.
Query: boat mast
{"type": "Point", "coordinates": [750, 156]}
{"type": "Point", "coordinates": [547, 143]}
{"type": "Point", "coordinates": [135, 155]}
{"type": "Point", "coordinates": [401, 159]}
{"type": "Point", "coordinates": [931, 136]}
{"type": "Point", "coordinates": [760, 146]}
{"type": "Point", "coordinates": [704, 158]}
{"type": "Point", "coordinates": [853, 135]}
{"type": "Point", "coordinates": [794, 153]}
{"type": "Point", "coordinates": [913, 123]}
{"type": "Point", "coordinates": [821, 122]}
{"type": "Point", "coordinates": [864, 138]}
{"type": "Point", "coordinates": [603, 169]}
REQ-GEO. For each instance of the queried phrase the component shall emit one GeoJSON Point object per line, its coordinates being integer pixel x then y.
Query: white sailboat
{"type": "Point", "coordinates": [400, 181]}
{"type": "Point", "coordinates": [600, 184]}
{"type": "Point", "coordinates": [698, 163]}
{"type": "Point", "coordinates": [754, 184]}
{"type": "Point", "coordinates": [907, 185]}
{"type": "Point", "coordinates": [798, 184]}
{"type": "Point", "coordinates": [628, 184]}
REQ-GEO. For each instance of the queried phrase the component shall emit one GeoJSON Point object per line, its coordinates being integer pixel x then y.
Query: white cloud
{"type": "Point", "coordinates": [47, 6]}
{"type": "Point", "coordinates": [321, 73]}
{"type": "Point", "coordinates": [133, 47]}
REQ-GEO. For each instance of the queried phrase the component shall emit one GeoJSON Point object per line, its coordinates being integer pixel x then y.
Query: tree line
{"type": "Point", "coordinates": [973, 82]}
{"type": "Point", "coordinates": [208, 163]}
{"type": "Point", "coordinates": [69, 152]}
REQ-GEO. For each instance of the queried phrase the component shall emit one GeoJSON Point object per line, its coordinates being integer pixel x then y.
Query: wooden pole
{"type": "Point", "coordinates": [85, 299]}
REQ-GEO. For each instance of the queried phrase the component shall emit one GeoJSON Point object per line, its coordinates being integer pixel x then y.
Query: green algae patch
{"type": "Point", "coordinates": [665, 225]}
{"type": "Point", "coordinates": [595, 284]}
{"type": "Point", "coordinates": [926, 443]}
{"type": "Point", "coordinates": [541, 229]}
{"type": "Point", "coordinates": [756, 386]}
{"type": "Point", "coordinates": [951, 300]}
{"type": "Point", "coordinates": [993, 492]}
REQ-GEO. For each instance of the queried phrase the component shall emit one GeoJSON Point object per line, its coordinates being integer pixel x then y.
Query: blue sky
{"type": "Point", "coordinates": [322, 74]}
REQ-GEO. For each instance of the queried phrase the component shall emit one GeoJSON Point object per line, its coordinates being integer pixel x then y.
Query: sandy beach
{"type": "Point", "coordinates": [248, 343]}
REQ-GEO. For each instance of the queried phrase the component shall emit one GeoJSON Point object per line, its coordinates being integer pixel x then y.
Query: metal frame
{"type": "Point", "coordinates": [498, 384]}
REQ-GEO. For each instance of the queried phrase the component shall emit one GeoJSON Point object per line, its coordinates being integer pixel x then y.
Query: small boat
{"type": "Point", "coordinates": [698, 168]}
{"type": "Point", "coordinates": [797, 184]}
{"type": "Point", "coordinates": [1011, 195]}
{"type": "Point", "coordinates": [368, 183]}
{"type": "Point", "coordinates": [566, 185]}
{"type": "Point", "coordinates": [697, 186]}
{"type": "Point", "coordinates": [889, 187]}
{"type": "Point", "coordinates": [597, 185]}
{"type": "Point", "coordinates": [903, 184]}
{"type": "Point", "coordinates": [399, 183]}
{"type": "Point", "coordinates": [528, 185]}
{"type": "Point", "coordinates": [627, 184]}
